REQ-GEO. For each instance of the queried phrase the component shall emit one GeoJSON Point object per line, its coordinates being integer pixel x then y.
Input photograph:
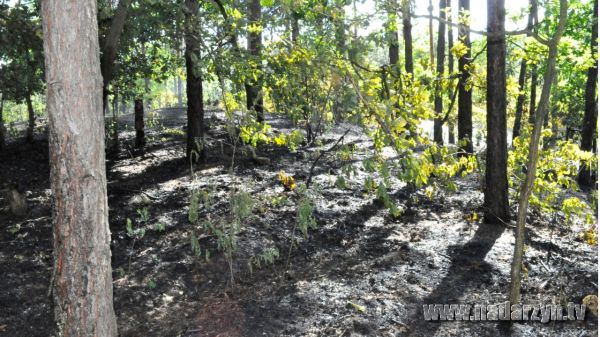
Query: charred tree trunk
{"type": "Point", "coordinates": [31, 118]}
{"type": "Point", "coordinates": [438, 135]}
{"type": "Point", "coordinates": [407, 36]}
{"type": "Point", "coordinates": [82, 275]}
{"type": "Point", "coordinates": [496, 182]}
{"type": "Point", "coordinates": [590, 116]}
{"type": "Point", "coordinates": [195, 105]}
{"type": "Point", "coordinates": [110, 47]}
{"type": "Point", "coordinates": [532, 159]}
{"type": "Point", "coordinates": [254, 99]}
{"type": "Point", "coordinates": [465, 98]}
{"type": "Point", "coordinates": [140, 139]}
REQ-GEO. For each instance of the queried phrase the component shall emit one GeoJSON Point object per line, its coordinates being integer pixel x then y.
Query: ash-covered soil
{"type": "Point", "coordinates": [361, 272]}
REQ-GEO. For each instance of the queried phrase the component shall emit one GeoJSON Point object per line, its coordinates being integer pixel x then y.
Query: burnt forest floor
{"type": "Point", "coordinates": [359, 273]}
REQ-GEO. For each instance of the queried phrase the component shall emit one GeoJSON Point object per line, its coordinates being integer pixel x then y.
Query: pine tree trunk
{"type": "Point", "coordinates": [254, 99]}
{"type": "Point", "coordinates": [82, 275]}
{"type": "Point", "coordinates": [195, 105]}
{"type": "Point", "coordinates": [393, 46]}
{"type": "Point", "coordinates": [140, 139]}
{"type": "Point", "coordinates": [532, 159]}
{"type": "Point", "coordinates": [451, 139]}
{"type": "Point", "coordinates": [438, 135]}
{"type": "Point", "coordinates": [533, 94]}
{"type": "Point", "coordinates": [31, 118]}
{"type": "Point", "coordinates": [496, 182]}
{"type": "Point", "coordinates": [295, 29]}
{"type": "Point", "coordinates": [465, 98]}
{"type": "Point", "coordinates": [111, 45]}
{"type": "Point", "coordinates": [590, 117]}
{"type": "Point", "coordinates": [407, 36]}
{"type": "Point", "coordinates": [520, 100]}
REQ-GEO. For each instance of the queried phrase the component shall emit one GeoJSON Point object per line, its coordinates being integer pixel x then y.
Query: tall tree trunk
{"type": "Point", "coordinates": [195, 105]}
{"type": "Point", "coordinates": [438, 135]}
{"type": "Point", "coordinates": [590, 116]}
{"type": "Point", "coordinates": [523, 76]}
{"type": "Point", "coordinates": [393, 45]}
{"type": "Point", "coordinates": [140, 139]}
{"type": "Point", "coordinates": [82, 276]}
{"type": "Point", "coordinates": [2, 129]}
{"type": "Point", "coordinates": [254, 99]}
{"type": "Point", "coordinates": [451, 139]}
{"type": "Point", "coordinates": [533, 94]}
{"type": "Point", "coordinates": [520, 100]}
{"type": "Point", "coordinates": [111, 45]}
{"type": "Point", "coordinates": [407, 36]}
{"type": "Point", "coordinates": [532, 158]}
{"type": "Point", "coordinates": [31, 118]}
{"type": "Point", "coordinates": [465, 99]}
{"type": "Point", "coordinates": [496, 182]}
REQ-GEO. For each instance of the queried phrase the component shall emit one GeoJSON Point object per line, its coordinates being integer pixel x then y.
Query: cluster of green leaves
{"type": "Point", "coordinates": [557, 171]}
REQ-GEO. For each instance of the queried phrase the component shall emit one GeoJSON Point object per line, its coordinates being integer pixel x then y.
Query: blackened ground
{"type": "Point", "coordinates": [360, 273]}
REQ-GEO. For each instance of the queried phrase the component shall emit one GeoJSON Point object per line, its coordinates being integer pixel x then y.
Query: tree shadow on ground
{"type": "Point", "coordinates": [467, 267]}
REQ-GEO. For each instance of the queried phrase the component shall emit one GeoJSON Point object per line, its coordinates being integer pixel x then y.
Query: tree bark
{"type": "Point", "coordinates": [110, 47]}
{"type": "Point", "coordinates": [533, 94]}
{"type": "Point", "coordinates": [465, 98]}
{"type": "Point", "coordinates": [140, 139]}
{"type": "Point", "coordinates": [254, 99]}
{"type": "Point", "coordinates": [496, 182]}
{"type": "Point", "coordinates": [407, 36]}
{"type": "Point", "coordinates": [393, 46]}
{"type": "Point", "coordinates": [82, 276]}
{"type": "Point", "coordinates": [438, 135]}
{"type": "Point", "coordinates": [590, 116]}
{"type": "Point", "coordinates": [195, 105]}
{"type": "Point", "coordinates": [295, 29]}
{"type": "Point", "coordinates": [115, 123]}
{"type": "Point", "coordinates": [532, 158]}
{"type": "Point", "coordinates": [31, 118]}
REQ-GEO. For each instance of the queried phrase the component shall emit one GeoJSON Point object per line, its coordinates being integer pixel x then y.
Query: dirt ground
{"type": "Point", "coordinates": [360, 273]}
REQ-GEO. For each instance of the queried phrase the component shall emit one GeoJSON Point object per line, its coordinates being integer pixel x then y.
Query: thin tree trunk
{"type": "Point", "coordinates": [195, 105]}
{"type": "Point", "coordinates": [295, 29]}
{"type": "Point", "coordinates": [31, 118]}
{"type": "Point", "coordinates": [533, 94]}
{"type": "Point", "coordinates": [520, 100]}
{"type": "Point", "coordinates": [532, 158]}
{"type": "Point", "coordinates": [438, 135]}
{"type": "Point", "coordinates": [407, 36]}
{"type": "Point", "coordinates": [179, 92]}
{"type": "Point", "coordinates": [496, 182]}
{"type": "Point", "coordinates": [523, 76]}
{"type": "Point", "coordinates": [111, 45]}
{"type": "Point", "coordinates": [140, 139]}
{"type": "Point", "coordinates": [393, 46]}
{"type": "Point", "coordinates": [254, 99]}
{"type": "Point", "coordinates": [82, 275]}
{"type": "Point", "coordinates": [590, 116]}
{"type": "Point", "coordinates": [465, 98]}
